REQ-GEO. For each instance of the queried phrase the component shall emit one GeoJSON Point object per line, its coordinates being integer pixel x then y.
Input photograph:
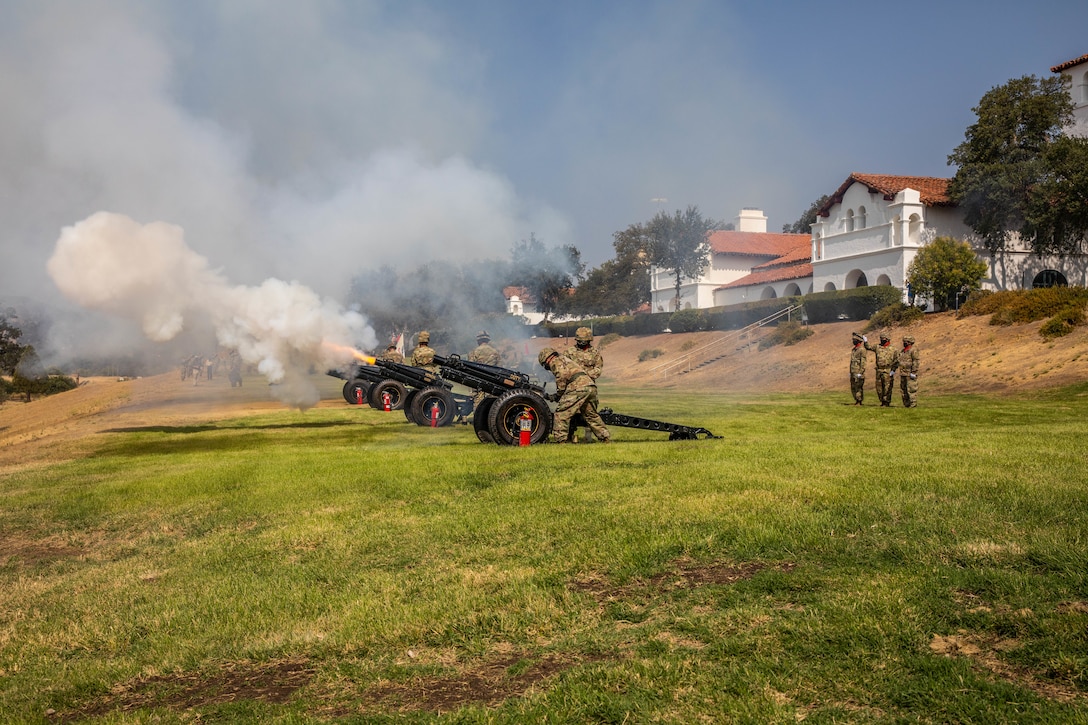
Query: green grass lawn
{"type": "Point", "coordinates": [820, 562]}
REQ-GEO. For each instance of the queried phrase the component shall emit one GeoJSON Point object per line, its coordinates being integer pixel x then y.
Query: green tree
{"type": "Point", "coordinates": [1056, 215]}
{"type": "Point", "coordinates": [679, 243]}
{"type": "Point", "coordinates": [619, 285]}
{"type": "Point", "coordinates": [11, 352]}
{"type": "Point", "coordinates": [943, 269]}
{"type": "Point", "coordinates": [548, 274]}
{"type": "Point", "coordinates": [804, 224]}
{"type": "Point", "coordinates": [1005, 156]}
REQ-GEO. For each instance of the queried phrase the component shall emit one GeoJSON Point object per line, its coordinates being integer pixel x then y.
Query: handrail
{"type": "Point", "coordinates": [701, 352]}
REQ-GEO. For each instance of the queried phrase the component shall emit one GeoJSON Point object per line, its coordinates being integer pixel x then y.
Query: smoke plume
{"type": "Point", "coordinates": [147, 273]}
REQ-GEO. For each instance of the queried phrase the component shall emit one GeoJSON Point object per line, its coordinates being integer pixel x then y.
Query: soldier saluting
{"type": "Point", "coordinates": [885, 369]}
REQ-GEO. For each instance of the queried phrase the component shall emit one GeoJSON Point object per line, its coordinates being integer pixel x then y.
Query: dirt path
{"type": "Point", "coordinates": [958, 356]}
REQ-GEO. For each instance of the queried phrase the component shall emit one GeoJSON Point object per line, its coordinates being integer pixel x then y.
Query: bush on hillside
{"type": "Point", "coordinates": [650, 354]}
{"type": "Point", "coordinates": [786, 333]}
{"type": "Point", "coordinates": [687, 321]}
{"type": "Point", "coordinates": [607, 340]}
{"type": "Point", "coordinates": [1063, 323]}
{"type": "Point", "coordinates": [896, 314]}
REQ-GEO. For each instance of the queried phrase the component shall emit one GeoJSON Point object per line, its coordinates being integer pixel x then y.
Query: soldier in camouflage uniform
{"type": "Point", "coordinates": [907, 363]}
{"type": "Point", "coordinates": [577, 394]}
{"type": "Point", "coordinates": [589, 358]}
{"type": "Point", "coordinates": [885, 369]}
{"type": "Point", "coordinates": [392, 355]}
{"type": "Point", "coordinates": [484, 353]}
{"type": "Point", "coordinates": [857, 368]}
{"type": "Point", "coordinates": [423, 355]}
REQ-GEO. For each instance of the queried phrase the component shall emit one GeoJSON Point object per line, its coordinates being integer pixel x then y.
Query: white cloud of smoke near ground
{"type": "Point", "coordinates": [147, 273]}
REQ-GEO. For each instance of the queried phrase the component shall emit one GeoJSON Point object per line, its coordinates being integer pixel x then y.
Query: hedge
{"type": "Point", "coordinates": [853, 304]}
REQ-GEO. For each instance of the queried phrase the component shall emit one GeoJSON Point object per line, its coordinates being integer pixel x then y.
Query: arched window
{"type": "Point", "coordinates": [849, 220]}
{"type": "Point", "coordinates": [829, 287]}
{"type": "Point", "coordinates": [1049, 278]}
{"type": "Point", "coordinates": [883, 280]}
{"type": "Point", "coordinates": [914, 229]}
{"type": "Point", "coordinates": [1084, 88]}
{"type": "Point", "coordinates": [792, 290]}
{"type": "Point", "coordinates": [861, 217]}
{"type": "Point", "coordinates": [768, 293]}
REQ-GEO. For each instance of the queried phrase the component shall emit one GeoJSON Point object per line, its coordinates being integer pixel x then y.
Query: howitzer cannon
{"type": "Point", "coordinates": [424, 397]}
{"type": "Point", "coordinates": [513, 395]}
{"type": "Point", "coordinates": [511, 398]}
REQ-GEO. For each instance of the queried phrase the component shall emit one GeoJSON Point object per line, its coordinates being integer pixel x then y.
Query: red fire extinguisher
{"type": "Point", "coordinates": [525, 428]}
{"type": "Point", "coordinates": [434, 414]}
{"type": "Point", "coordinates": [358, 396]}
{"type": "Point", "coordinates": [387, 401]}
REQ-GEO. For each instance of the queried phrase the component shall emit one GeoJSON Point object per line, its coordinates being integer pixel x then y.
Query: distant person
{"type": "Point", "coordinates": [484, 352]}
{"type": "Point", "coordinates": [391, 355]}
{"type": "Point", "coordinates": [857, 368]}
{"type": "Point", "coordinates": [234, 372]}
{"type": "Point", "coordinates": [907, 362]}
{"type": "Point", "coordinates": [423, 355]}
{"type": "Point", "coordinates": [589, 358]}
{"type": "Point", "coordinates": [885, 369]}
{"type": "Point", "coordinates": [577, 394]}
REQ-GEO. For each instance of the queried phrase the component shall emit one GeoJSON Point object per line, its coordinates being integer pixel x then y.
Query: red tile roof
{"type": "Point", "coordinates": [756, 244]}
{"type": "Point", "coordinates": [773, 274]}
{"type": "Point", "coordinates": [1068, 64]}
{"type": "Point", "coordinates": [933, 190]}
{"type": "Point", "coordinates": [803, 253]}
{"type": "Point", "coordinates": [521, 292]}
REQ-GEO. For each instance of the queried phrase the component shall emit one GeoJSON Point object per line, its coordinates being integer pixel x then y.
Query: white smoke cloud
{"type": "Point", "coordinates": [147, 273]}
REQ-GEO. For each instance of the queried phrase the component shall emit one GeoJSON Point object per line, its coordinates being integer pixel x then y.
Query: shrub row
{"type": "Point", "coordinates": [854, 304]}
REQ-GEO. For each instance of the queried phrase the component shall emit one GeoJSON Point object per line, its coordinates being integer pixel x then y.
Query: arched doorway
{"type": "Point", "coordinates": [829, 287]}
{"type": "Point", "coordinates": [856, 278]}
{"type": "Point", "coordinates": [768, 293]}
{"type": "Point", "coordinates": [1049, 278]}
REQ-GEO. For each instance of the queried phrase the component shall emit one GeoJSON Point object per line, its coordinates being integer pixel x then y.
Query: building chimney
{"type": "Point", "coordinates": [751, 220]}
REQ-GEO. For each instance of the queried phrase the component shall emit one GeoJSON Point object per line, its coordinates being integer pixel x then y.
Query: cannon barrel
{"type": "Point", "coordinates": [491, 379]}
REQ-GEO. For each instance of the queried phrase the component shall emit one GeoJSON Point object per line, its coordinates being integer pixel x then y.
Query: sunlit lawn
{"type": "Point", "coordinates": [819, 562]}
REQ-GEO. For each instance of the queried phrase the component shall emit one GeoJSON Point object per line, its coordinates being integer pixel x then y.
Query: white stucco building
{"type": "Point", "coordinates": [733, 254]}
{"type": "Point", "coordinates": [1076, 71]}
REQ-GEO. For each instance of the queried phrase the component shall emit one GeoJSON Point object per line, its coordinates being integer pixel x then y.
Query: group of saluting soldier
{"type": "Point", "coordinates": [576, 371]}
{"type": "Point", "coordinates": [889, 362]}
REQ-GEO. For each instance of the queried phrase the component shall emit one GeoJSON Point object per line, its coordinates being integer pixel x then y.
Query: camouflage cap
{"type": "Point", "coordinates": [908, 340]}
{"type": "Point", "coordinates": [482, 335]}
{"type": "Point", "coordinates": [856, 337]}
{"type": "Point", "coordinates": [583, 334]}
{"type": "Point", "coordinates": [424, 336]}
{"type": "Point", "coordinates": [546, 353]}
{"type": "Point", "coordinates": [884, 337]}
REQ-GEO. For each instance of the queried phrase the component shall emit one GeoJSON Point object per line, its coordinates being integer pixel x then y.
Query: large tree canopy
{"type": "Point", "coordinates": [804, 224]}
{"type": "Point", "coordinates": [679, 243]}
{"type": "Point", "coordinates": [944, 268]}
{"type": "Point", "coordinates": [1017, 173]}
{"type": "Point", "coordinates": [548, 274]}
{"type": "Point", "coordinates": [619, 285]}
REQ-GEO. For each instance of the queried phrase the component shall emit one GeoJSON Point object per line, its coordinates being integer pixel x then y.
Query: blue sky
{"type": "Point", "coordinates": [306, 140]}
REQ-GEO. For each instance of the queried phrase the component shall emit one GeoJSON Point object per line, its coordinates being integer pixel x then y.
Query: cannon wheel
{"type": "Point", "coordinates": [503, 419]}
{"type": "Point", "coordinates": [479, 420]}
{"type": "Point", "coordinates": [424, 400]}
{"type": "Point", "coordinates": [408, 407]}
{"type": "Point", "coordinates": [351, 386]}
{"type": "Point", "coordinates": [397, 393]}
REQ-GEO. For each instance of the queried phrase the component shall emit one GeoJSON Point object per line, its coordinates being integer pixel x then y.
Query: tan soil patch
{"type": "Point", "coordinates": [982, 650]}
{"type": "Point", "coordinates": [488, 683]}
{"type": "Point", "coordinates": [685, 575]}
{"type": "Point", "coordinates": [272, 682]}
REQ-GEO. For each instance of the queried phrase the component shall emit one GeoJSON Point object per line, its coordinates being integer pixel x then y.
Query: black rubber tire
{"type": "Point", "coordinates": [408, 408]}
{"type": "Point", "coordinates": [503, 420]}
{"type": "Point", "coordinates": [426, 399]}
{"type": "Point", "coordinates": [479, 420]}
{"type": "Point", "coordinates": [351, 386]}
{"type": "Point", "coordinates": [397, 393]}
